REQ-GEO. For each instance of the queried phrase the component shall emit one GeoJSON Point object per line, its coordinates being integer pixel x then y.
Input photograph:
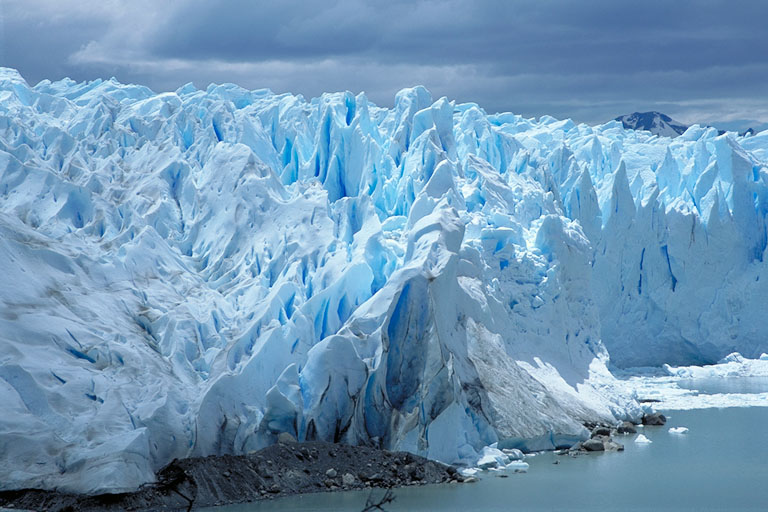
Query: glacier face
{"type": "Point", "coordinates": [192, 273]}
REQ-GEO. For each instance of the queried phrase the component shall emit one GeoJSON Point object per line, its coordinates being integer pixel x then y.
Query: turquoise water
{"type": "Point", "coordinates": [721, 464]}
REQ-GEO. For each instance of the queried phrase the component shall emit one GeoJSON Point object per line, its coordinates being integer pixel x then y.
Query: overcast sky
{"type": "Point", "coordinates": [698, 61]}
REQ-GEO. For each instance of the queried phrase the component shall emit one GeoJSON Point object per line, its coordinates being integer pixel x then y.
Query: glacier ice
{"type": "Point", "coordinates": [196, 272]}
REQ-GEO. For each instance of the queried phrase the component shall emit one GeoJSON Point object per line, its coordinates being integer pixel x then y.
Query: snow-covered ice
{"type": "Point", "coordinates": [194, 272]}
{"type": "Point", "coordinates": [654, 122]}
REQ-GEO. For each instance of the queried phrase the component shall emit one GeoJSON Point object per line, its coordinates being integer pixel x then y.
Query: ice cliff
{"type": "Point", "coordinates": [195, 272]}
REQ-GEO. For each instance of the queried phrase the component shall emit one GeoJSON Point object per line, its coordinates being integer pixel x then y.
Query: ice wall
{"type": "Point", "coordinates": [192, 273]}
{"type": "Point", "coordinates": [679, 272]}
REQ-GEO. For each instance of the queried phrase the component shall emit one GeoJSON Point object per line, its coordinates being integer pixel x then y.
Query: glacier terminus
{"type": "Point", "coordinates": [196, 272]}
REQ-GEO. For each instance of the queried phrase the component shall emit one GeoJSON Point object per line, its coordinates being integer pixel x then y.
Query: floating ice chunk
{"type": "Point", "coordinates": [514, 454]}
{"type": "Point", "coordinates": [518, 466]}
{"type": "Point", "coordinates": [641, 439]}
{"type": "Point", "coordinates": [469, 471]}
{"type": "Point", "coordinates": [678, 430]}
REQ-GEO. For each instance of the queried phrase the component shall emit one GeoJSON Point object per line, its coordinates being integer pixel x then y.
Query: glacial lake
{"type": "Point", "coordinates": [720, 464]}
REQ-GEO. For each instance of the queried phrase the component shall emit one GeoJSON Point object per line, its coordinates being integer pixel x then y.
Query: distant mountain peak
{"type": "Point", "coordinates": [654, 122]}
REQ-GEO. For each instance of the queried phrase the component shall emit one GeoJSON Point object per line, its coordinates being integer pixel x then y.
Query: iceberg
{"type": "Point", "coordinates": [491, 457]}
{"type": "Point", "coordinates": [517, 466]}
{"type": "Point", "coordinates": [196, 272]}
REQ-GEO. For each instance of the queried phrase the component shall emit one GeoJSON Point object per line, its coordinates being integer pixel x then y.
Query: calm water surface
{"type": "Point", "coordinates": [721, 464]}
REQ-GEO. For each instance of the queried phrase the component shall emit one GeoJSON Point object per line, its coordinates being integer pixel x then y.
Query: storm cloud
{"type": "Point", "coordinates": [699, 61]}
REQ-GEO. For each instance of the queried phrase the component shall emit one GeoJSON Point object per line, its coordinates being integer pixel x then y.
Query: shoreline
{"type": "Point", "coordinates": [283, 469]}
{"type": "Point", "coordinates": [287, 468]}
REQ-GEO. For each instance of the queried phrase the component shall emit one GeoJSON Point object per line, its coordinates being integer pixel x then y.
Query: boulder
{"type": "Point", "coordinates": [613, 446]}
{"type": "Point", "coordinates": [593, 445]}
{"type": "Point", "coordinates": [626, 428]}
{"type": "Point", "coordinates": [601, 431]}
{"type": "Point", "coordinates": [655, 418]}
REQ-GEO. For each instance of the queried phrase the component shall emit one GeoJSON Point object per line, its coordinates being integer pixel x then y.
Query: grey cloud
{"type": "Point", "coordinates": [586, 60]}
{"type": "Point", "coordinates": [539, 36]}
{"type": "Point", "coordinates": [40, 47]}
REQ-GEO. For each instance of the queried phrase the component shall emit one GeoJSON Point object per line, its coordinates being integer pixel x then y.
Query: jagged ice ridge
{"type": "Point", "coordinates": [193, 273]}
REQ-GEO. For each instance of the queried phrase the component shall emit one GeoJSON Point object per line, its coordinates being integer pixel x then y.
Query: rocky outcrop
{"type": "Point", "coordinates": [280, 470]}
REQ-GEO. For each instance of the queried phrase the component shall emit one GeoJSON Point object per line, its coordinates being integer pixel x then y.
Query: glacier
{"type": "Point", "coordinates": [195, 272]}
